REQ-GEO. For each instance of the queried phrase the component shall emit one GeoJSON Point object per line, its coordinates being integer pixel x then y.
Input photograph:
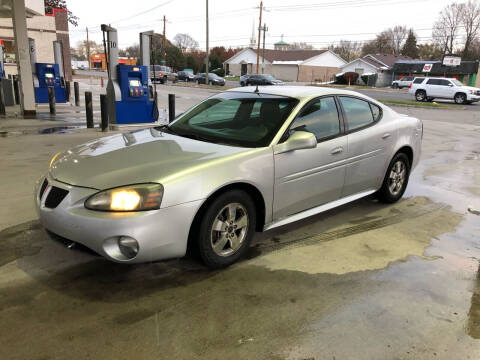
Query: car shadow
{"type": "Point", "coordinates": [80, 274]}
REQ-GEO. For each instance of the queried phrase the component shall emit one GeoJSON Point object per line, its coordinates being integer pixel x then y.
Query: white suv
{"type": "Point", "coordinates": [429, 88]}
{"type": "Point", "coordinates": [403, 82]}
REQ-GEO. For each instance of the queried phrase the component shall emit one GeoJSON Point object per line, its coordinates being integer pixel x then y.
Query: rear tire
{"type": "Point", "coordinates": [226, 229]}
{"type": "Point", "coordinates": [396, 179]}
{"type": "Point", "coordinates": [395, 86]}
{"type": "Point", "coordinates": [420, 95]}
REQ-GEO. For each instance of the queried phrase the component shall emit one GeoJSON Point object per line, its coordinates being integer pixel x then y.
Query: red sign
{"type": "Point", "coordinates": [427, 68]}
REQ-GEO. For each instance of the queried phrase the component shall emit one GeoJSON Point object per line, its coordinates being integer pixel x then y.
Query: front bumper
{"type": "Point", "coordinates": [473, 98]}
{"type": "Point", "coordinates": [161, 234]}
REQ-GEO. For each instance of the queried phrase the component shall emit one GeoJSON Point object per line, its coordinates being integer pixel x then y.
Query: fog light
{"type": "Point", "coordinates": [128, 246]}
{"type": "Point", "coordinates": [121, 248]}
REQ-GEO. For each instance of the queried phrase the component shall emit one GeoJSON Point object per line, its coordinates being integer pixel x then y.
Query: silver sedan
{"type": "Point", "coordinates": [245, 160]}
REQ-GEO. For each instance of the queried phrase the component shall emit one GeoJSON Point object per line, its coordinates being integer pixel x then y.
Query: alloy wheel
{"type": "Point", "coordinates": [397, 177]}
{"type": "Point", "coordinates": [459, 98]}
{"type": "Point", "coordinates": [420, 96]}
{"type": "Point", "coordinates": [229, 229]}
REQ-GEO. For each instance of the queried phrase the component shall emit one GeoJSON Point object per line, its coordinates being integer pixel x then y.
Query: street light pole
{"type": "Point", "coordinates": [265, 29]}
{"type": "Point", "coordinates": [206, 59]}
{"type": "Point", "coordinates": [259, 30]}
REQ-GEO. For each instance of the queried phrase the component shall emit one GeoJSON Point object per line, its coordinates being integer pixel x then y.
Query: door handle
{"type": "Point", "coordinates": [386, 136]}
{"type": "Point", "coordinates": [337, 150]}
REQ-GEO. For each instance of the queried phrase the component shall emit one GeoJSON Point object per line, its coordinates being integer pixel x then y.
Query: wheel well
{"type": "Point", "coordinates": [249, 189]}
{"type": "Point", "coordinates": [407, 150]}
{"type": "Point", "coordinates": [461, 92]}
{"type": "Point", "coordinates": [420, 90]}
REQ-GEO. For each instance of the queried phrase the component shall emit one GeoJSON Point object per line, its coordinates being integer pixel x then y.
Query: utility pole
{"type": "Point", "coordinates": [163, 42]}
{"type": "Point", "coordinates": [206, 58]}
{"type": "Point", "coordinates": [88, 50]}
{"type": "Point", "coordinates": [265, 29]}
{"type": "Point", "coordinates": [259, 30]}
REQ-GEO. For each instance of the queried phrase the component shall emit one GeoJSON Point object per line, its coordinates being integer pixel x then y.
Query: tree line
{"type": "Point", "coordinates": [456, 31]}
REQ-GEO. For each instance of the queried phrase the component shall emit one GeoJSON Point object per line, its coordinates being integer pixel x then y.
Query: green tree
{"type": "Point", "coordinates": [430, 51]}
{"type": "Point", "coordinates": [410, 47]}
{"type": "Point", "coordinates": [60, 4]}
{"type": "Point", "coordinates": [174, 57]}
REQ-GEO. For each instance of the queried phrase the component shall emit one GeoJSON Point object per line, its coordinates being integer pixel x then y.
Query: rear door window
{"type": "Point", "coordinates": [418, 80]}
{"type": "Point", "coordinates": [319, 118]}
{"type": "Point", "coordinates": [357, 111]}
{"type": "Point", "coordinates": [433, 82]}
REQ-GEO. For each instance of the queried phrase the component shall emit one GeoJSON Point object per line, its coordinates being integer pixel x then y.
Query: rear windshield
{"type": "Point", "coordinates": [238, 119]}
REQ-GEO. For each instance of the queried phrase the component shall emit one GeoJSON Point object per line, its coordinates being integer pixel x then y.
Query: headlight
{"type": "Point", "coordinates": [472, 91]}
{"type": "Point", "coordinates": [53, 159]}
{"type": "Point", "coordinates": [139, 197]}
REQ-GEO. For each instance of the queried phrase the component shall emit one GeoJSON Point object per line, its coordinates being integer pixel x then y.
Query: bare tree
{"type": "Point", "coordinates": [397, 36]}
{"type": "Point", "coordinates": [470, 17]}
{"type": "Point", "coordinates": [347, 50]}
{"type": "Point", "coordinates": [446, 28]}
{"type": "Point", "coordinates": [299, 46]}
{"type": "Point", "coordinates": [185, 42]}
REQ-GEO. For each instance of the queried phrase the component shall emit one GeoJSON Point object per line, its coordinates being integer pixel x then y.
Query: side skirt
{"type": "Point", "coordinates": [317, 210]}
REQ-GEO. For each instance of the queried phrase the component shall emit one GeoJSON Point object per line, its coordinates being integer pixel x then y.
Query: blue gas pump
{"type": "Point", "coordinates": [128, 97]}
{"type": "Point", "coordinates": [49, 76]}
{"type": "Point", "coordinates": [46, 75]}
{"type": "Point", "coordinates": [134, 105]}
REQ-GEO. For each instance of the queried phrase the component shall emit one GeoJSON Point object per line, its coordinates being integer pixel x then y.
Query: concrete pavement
{"type": "Point", "coordinates": [364, 281]}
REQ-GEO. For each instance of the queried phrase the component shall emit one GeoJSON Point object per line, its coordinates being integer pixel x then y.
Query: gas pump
{"type": "Point", "coordinates": [128, 96]}
{"type": "Point", "coordinates": [2, 68]}
{"type": "Point", "coordinates": [46, 75]}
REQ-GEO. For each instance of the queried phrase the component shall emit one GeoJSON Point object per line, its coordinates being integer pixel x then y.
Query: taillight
{"type": "Point", "coordinates": [410, 86]}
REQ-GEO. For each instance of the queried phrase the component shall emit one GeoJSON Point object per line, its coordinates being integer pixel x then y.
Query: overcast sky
{"type": "Point", "coordinates": [318, 22]}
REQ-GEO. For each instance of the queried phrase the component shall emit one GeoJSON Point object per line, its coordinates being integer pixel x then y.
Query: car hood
{"type": "Point", "coordinates": [470, 88]}
{"type": "Point", "coordinates": [140, 156]}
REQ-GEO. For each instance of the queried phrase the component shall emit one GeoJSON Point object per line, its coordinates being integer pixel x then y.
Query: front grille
{"type": "Point", "coordinates": [477, 92]}
{"type": "Point", "coordinates": [43, 187]}
{"type": "Point", "coordinates": [55, 197]}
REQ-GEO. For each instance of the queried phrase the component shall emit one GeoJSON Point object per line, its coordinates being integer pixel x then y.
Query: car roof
{"type": "Point", "coordinates": [441, 78]}
{"type": "Point", "coordinates": [297, 91]}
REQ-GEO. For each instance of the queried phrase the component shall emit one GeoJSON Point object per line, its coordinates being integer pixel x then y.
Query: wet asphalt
{"type": "Point", "coordinates": [363, 281]}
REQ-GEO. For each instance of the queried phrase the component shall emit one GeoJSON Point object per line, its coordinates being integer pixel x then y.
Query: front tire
{"type": "Point", "coordinates": [396, 179]}
{"type": "Point", "coordinates": [460, 98]}
{"type": "Point", "coordinates": [226, 229]}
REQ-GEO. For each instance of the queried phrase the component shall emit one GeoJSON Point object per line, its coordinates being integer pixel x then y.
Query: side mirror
{"type": "Point", "coordinates": [297, 141]}
{"type": "Point", "coordinates": [451, 85]}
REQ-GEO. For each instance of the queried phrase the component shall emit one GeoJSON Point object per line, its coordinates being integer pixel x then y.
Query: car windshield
{"type": "Point", "coordinates": [237, 119]}
{"type": "Point", "coordinates": [269, 77]}
{"type": "Point", "coordinates": [456, 82]}
{"type": "Point", "coordinates": [213, 76]}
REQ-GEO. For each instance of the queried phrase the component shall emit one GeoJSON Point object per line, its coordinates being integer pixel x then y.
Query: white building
{"type": "Point", "coordinates": [288, 65]}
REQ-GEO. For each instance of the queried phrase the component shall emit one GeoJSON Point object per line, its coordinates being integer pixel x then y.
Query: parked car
{"type": "Point", "coordinates": [262, 79]}
{"type": "Point", "coordinates": [241, 161]}
{"type": "Point", "coordinates": [162, 74]}
{"type": "Point", "coordinates": [213, 79]}
{"type": "Point", "coordinates": [430, 88]}
{"type": "Point", "coordinates": [404, 82]}
{"type": "Point", "coordinates": [185, 76]}
{"type": "Point", "coordinates": [243, 79]}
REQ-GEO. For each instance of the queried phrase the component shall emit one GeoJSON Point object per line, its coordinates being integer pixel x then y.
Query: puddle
{"type": "Point", "coordinates": [50, 130]}
{"type": "Point", "coordinates": [365, 245]}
